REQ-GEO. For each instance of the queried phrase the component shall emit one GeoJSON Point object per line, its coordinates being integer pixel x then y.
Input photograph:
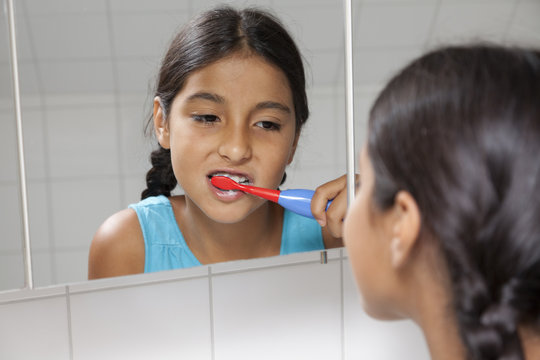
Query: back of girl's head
{"type": "Point", "coordinates": [210, 37]}
{"type": "Point", "coordinates": [459, 128]}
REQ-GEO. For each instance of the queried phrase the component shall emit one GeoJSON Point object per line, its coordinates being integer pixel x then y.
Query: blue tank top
{"type": "Point", "coordinates": [166, 249]}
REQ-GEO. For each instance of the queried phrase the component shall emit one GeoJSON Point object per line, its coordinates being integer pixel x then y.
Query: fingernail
{"type": "Point", "coordinates": [321, 222]}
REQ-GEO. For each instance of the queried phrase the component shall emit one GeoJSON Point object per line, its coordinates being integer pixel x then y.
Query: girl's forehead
{"type": "Point", "coordinates": [239, 74]}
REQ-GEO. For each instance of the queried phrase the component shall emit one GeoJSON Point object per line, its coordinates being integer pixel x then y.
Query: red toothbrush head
{"type": "Point", "coordinates": [224, 183]}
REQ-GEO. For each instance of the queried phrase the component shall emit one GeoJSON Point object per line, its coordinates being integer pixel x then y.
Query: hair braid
{"type": "Point", "coordinates": [160, 179]}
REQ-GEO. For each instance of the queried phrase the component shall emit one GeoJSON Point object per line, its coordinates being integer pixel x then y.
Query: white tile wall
{"type": "Point", "coordinates": [283, 313]}
{"type": "Point", "coordinates": [63, 77]}
{"type": "Point", "coordinates": [95, 200]}
{"type": "Point", "coordinates": [289, 307]}
{"type": "Point", "coordinates": [525, 27]}
{"type": "Point", "coordinates": [159, 321]}
{"type": "Point", "coordinates": [463, 21]}
{"type": "Point", "coordinates": [11, 264]}
{"type": "Point", "coordinates": [154, 30]}
{"type": "Point", "coordinates": [8, 147]}
{"type": "Point", "coordinates": [76, 36]}
{"type": "Point", "coordinates": [82, 142]}
{"type": "Point", "coordinates": [377, 25]}
{"type": "Point", "coordinates": [10, 219]}
{"type": "Point", "coordinates": [35, 329]}
{"type": "Point", "coordinates": [366, 338]}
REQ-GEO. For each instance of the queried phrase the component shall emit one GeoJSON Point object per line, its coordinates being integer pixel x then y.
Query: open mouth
{"type": "Point", "coordinates": [241, 179]}
{"type": "Point", "coordinates": [237, 178]}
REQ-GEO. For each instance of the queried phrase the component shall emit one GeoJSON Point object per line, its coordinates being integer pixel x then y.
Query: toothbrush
{"type": "Point", "coordinates": [295, 200]}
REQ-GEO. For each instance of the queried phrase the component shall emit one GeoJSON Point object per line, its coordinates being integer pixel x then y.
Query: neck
{"type": "Point", "coordinates": [258, 235]}
{"type": "Point", "coordinates": [429, 305]}
{"type": "Point", "coordinates": [530, 340]}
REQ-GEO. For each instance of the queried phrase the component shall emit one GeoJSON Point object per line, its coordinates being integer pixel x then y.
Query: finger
{"type": "Point", "coordinates": [336, 214]}
{"type": "Point", "coordinates": [323, 194]}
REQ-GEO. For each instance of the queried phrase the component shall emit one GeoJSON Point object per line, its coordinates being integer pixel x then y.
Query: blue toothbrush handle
{"type": "Point", "coordinates": [298, 201]}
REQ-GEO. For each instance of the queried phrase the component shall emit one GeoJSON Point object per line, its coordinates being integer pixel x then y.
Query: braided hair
{"type": "Point", "coordinates": [210, 37]}
{"type": "Point", "coordinates": [459, 129]}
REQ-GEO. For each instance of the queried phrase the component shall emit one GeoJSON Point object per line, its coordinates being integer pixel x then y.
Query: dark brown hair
{"type": "Point", "coordinates": [459, 128]}
{"type": "Point", "coordinates": [212, 36]}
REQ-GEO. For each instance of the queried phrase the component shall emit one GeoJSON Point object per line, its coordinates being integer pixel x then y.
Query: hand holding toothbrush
{"type": "Point", "coordinates": [331, 220]}
{"type": "Point", "coordinates": [327, 204]}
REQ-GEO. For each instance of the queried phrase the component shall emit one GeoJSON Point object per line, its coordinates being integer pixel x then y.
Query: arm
{"type": "Point", "coordinates": [331, 220]}
{"type": "Point", "coordinates": [117, 247]}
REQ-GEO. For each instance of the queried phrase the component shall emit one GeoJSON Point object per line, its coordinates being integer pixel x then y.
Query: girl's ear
{"type": "Point", "coordinates": [161, 125]}
{"type": "Point", "coordinates": [293, 149]}
{"type": "Point", "coordinates": [406, 229]}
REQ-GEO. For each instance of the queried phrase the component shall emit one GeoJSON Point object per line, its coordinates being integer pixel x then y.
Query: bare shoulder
{"type": "Point", "coordinates": [117, 247]}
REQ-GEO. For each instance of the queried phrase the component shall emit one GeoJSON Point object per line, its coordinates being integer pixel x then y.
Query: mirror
{"type": "Point", "coordinates": [86, 70]}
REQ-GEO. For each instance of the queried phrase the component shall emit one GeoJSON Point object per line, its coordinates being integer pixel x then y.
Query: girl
{"type": "Point", "coordinates": [445, 227]}
{"type": "Point", "coordinates": [230, 101]}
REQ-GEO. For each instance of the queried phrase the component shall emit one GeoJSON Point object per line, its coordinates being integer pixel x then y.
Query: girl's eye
{"type": "Point", "coordinates": [268, 125]}
{"type": "Point", "coordinates": [206, 119]}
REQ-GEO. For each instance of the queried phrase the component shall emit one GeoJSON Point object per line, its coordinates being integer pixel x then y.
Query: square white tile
{"type": "Point", "coordinates": [158, 321]}
{"type": "Point", "coordinates": [136, 75]}
{"type": "Point", "coordinates": [314, 27]}
{"type": "Point", "coordinates": [83, 141]}
{"type": "Point", "coordinates": [469, 21]}
{"type": "Point", "coordinates": [80, 207]}
{"type": "Point", "coordinates": [65, 6]}
{"type": "Point", "coordinates": [290, 312]}
{"type": "Point", "coordinates": [367, 338]}
{"type": "Point", "coordinates": [132, 39]}
{"type": "Point", "coordinates": [35, 329]}
{"type": "Point", "coordinates": [65, 78]}
{"type": "Point", "coordinates": [70, 36]}
{"type": "Point", "coordinates": [525, 26]}
{"type": "Point", "coordinates": [388, 25]}
{"type": "Point", "coordinates": [70, 266]}
{"type": "Point", "coordinates": [126, 6]}
{"type": "Point", "coordinates": [374, 67]}
{"type": "Point", "coordinates": [11, 271]}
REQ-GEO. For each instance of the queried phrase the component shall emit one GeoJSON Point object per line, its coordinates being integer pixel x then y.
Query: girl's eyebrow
{"type": "Point", "coordinates": [206, 96]}
{"type": "Point", "coordinates": [273, 105]}
{"type": "Point", "coordinates": [221, 100]}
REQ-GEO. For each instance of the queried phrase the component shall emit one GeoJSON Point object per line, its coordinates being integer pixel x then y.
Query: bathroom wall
{"type": "Point", "coordinates": [289, 307]}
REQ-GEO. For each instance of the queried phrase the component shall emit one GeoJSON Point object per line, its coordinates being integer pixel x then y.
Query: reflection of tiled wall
{"type": "Point", "coordinates": [85, 96]}
{"type": "Point", "coordinates": [288, 307]}
{"type": "Point", "coordinates": [85, 81]}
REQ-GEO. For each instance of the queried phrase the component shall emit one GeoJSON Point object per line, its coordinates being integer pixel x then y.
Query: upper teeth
{"type": "Point", "coordinates": [237, 178]}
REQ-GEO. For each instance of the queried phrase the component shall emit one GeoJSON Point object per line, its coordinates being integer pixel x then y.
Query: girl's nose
{"type": "Point", "coordinates": [235, 145]}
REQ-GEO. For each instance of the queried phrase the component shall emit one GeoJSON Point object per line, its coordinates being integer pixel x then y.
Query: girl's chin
{"type": "Point", "coordinates": [228, 215]}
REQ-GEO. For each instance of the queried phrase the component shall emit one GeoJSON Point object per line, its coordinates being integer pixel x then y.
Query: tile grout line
{"type": "Point", "coordinates": [70, 330]}
{"type": "Point", "coordinates": [211, 305]}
